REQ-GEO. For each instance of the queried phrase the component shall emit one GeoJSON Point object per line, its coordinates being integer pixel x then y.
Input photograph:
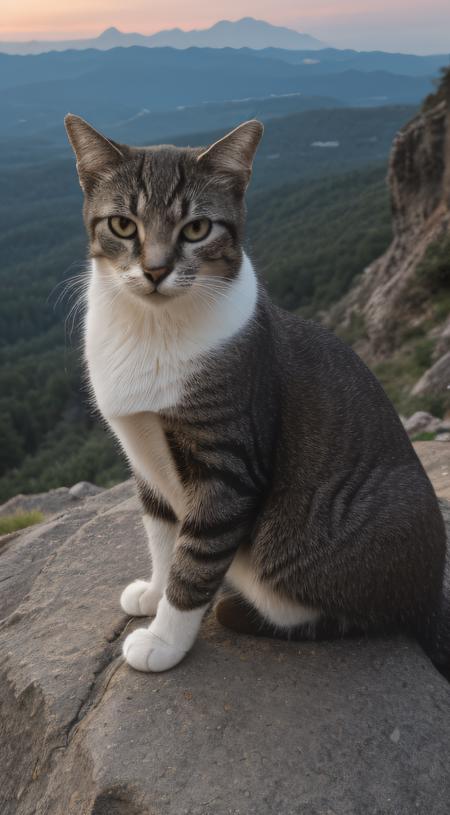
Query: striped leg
{"type": "Point", "coordinates": [201, 558]}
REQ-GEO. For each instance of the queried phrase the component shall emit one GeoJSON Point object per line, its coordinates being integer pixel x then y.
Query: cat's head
{"type": "Point", "coordinates": [164, 221]}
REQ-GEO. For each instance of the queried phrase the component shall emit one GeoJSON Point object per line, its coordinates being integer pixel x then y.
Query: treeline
{"type": "Point", "coordinates": [312, 239]}
{"type": "Point", "coordinates": [308, 241]}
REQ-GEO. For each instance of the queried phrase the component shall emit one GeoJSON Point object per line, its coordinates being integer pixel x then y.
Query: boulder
{"type": "Point", "coordinates": [51, 502]}
{"type": "Point", "coordinates": [84, 489]}
{"type": "Point", "coordinates": [243, 725]}
{"type": "Point", "coordinates": [436, 380]}
{"type": "Point", "coordinates": [421, 422]}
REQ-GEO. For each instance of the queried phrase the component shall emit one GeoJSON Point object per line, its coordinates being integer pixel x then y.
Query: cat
{"type": "Point", "coordinates": [266, 455]}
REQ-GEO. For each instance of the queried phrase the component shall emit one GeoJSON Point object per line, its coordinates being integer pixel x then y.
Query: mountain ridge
{"type": "Point", "coordinates": [104, 87]}
{"type": "Point", "coordinates": [244, 33]}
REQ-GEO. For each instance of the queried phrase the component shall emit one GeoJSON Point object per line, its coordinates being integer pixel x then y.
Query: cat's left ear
{"type": "Point", "coordinates": [94, 152]}
{"type": "Point", "coordinates": [236, 151]}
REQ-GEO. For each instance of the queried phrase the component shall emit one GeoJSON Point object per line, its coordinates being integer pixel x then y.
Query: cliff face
{"type": "Point", "coordinates": [394, 295]}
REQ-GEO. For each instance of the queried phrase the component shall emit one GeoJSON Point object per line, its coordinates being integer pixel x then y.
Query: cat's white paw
{"type": "Point", "coordinates": [140, 599]}
{"type": "Point", "coordinates": [145, 651]}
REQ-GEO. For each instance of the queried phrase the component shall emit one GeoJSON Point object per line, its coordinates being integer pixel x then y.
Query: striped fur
{"type": "Point", "coordinates": [264, 451]}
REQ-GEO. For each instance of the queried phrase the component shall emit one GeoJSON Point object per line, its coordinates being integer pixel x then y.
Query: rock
{"type": "Point", "coordinates": [387, 299]}
{"type": "Point", "coordinates": [442, 437]}
{"type": "Point", "coordinates": [436, 380]}
{"type": "Point", "coordinates": [243, 725]}
{"type": "Point", "coordinates": [51, 502]}
{"type": "Point", "coordinates": [442, 335]}
{"type": "Point", "coordinates": [421, 422]}
{"type": "Point", "coordinates": [84, 489]}
{"type": "Point", "coordinates": [436, 460]}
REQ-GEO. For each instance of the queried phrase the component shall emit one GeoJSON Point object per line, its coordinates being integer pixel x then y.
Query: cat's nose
{"type": "Point", "coordinates": [157, 273]}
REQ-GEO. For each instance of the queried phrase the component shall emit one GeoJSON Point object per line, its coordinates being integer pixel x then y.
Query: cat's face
{"type": "Point", "coordinates": [165, 221]}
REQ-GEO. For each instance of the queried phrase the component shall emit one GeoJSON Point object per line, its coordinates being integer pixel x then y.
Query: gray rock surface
{"type": "Point", "coordinates": [436, 379]}
{"type": "Point", "coordinates": [254, 727]}
{"type": "Point", "coordinates": [421, 422]}
{"type": "Point", "coordinates": [84, 489]}
{"type": "Point", "coordinates": [435, 457]}
{"type": "Point", "coordinates": [51, 502]}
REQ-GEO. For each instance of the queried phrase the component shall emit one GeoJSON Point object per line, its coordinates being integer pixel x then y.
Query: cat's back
{"type": "Point", "coordinates": [330, 395]}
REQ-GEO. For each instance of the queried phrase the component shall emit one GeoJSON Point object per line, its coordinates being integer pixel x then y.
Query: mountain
{"type": "Point", "coordinates": [48, 436]}
{"type": "Point", "coordinates": [333, 60]}
{"type": "Point", "coordinates": [110, 87]}
{"type": "Point", "coordinates": [317, 215]}
{"type": "Point", "coordinates": [244, 33]}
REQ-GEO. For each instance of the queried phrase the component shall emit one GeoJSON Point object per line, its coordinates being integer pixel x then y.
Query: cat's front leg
{"type": "Point", "coordinates": [202, 556]}
{"type": "Point", "coordinates": [141, 597]}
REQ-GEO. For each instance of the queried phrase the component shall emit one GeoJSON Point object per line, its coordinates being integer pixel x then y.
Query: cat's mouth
{"type": "Point", "coordinates": [158, 297]}
{"type": "Point", "coordinates": [146, 292]}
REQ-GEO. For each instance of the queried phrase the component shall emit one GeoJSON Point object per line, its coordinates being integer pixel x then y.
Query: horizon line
{"type": "Point", "coordinates": [50, 37]}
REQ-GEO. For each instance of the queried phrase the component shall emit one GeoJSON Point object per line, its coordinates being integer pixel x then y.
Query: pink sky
{"type": "Point", "coordinates": [390, 24]}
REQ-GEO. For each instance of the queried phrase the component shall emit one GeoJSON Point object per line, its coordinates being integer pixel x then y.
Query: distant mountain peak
{"type": "Point", "coordinates": [247, 32]}
{"type": "Point", "coordinates": [108, 32]}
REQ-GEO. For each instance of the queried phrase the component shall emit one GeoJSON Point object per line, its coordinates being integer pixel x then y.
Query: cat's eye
{"type": "Point", "coordinates": [196, 230]}
{"type": "Point", "coordinates": [122, 227]}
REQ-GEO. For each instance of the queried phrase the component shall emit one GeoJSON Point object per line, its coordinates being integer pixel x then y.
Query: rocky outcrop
{"type": "Point", "coordinates": [436, 379]}
{"type": "Point", "coordinates": [51, 502]}
{"type": "Point", "coordinates": [421, 422]}
{"type": "Point", "coordinates": [389, 301]}
{"type": "Point", "coordinates": [246, 726]}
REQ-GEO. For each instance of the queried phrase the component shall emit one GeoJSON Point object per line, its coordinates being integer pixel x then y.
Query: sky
{"type": "Point", "coordinates": [391, 25]}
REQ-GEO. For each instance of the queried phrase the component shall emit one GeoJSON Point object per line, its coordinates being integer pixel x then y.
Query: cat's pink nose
{"type": "Point", "coordinates": [157, 273]}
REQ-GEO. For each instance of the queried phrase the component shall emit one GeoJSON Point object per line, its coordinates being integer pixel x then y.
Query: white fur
{"type": "Point", "coordinates": [141, 597]}
{"type": "Point", "coordinates": [277, 610]}
{"type": "Point", "coordinates": [139, 356]}
{"type": "Point", "coordinates": [145, 445]}
{"type": "Point", "coordinates": [169, 638]}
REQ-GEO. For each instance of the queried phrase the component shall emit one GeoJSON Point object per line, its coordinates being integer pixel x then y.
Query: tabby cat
{"type": "Point", "coordinates": [265, 453]}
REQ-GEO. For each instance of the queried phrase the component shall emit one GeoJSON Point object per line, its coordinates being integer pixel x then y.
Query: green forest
{"type": "Point", "coordinates": [316, 219]}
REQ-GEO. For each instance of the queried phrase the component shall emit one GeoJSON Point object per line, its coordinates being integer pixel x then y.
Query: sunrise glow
{"type": "Point", "coordinates": [364, 24]}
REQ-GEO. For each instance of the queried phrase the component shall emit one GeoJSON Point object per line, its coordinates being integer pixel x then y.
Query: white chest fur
{"type": "Point", "coordinates": [139, 357]}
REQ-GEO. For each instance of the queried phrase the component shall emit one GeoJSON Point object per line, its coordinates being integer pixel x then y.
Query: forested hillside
{"type": "Point", "coordinates": [317, 217]}
{"type": "Point", "coordinates": [311, 240]}
{"type": "Point", "coordinates": [308, 245]}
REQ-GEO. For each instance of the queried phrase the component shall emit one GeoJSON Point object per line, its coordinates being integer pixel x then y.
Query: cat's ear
{"type": "Point", "coordinates": [95, 153]}
{"type": "Point", "coordinates": [234, 153]}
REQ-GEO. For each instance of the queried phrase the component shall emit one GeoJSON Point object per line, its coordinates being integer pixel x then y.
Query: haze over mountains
{"type": "Point", "coordinates": [318, 204]}
{"type": "Point", "coordinates": [117, 78]}
{"type": "Point", "coordinates": [244, 33]}
{"type": "Point", "coordinates": [111, 87]}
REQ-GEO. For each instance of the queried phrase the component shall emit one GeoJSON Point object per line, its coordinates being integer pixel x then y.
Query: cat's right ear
{"type": "Point", "coordinates": [234, 153]}
{"type": "Point", "coordinates": [95, 153]}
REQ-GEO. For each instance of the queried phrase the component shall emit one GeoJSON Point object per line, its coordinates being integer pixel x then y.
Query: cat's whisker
{"type": "Point", "coordinates": [67, 286]}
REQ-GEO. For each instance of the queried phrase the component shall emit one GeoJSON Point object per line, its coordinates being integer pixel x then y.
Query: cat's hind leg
{"type": "Point", "coordinates": [264, 609]}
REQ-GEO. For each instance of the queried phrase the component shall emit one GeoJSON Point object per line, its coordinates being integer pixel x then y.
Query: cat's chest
{"type": "Point", "coordinates": [130, 374]}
